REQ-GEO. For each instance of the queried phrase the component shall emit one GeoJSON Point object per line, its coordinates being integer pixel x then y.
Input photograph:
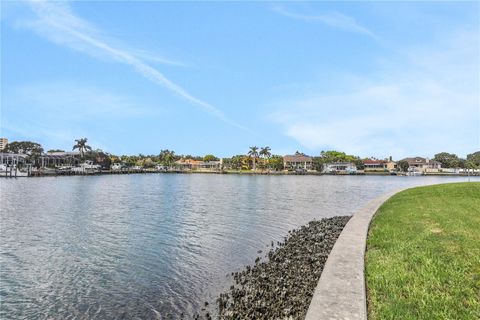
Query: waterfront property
{"type": "Point", "coordinates": [60, 159]}
{"type": "Point", "coordinates": [199, 165]}
{"type": "Point", "coordinates": [373, 165]}
{"type": "Point", "coordinates": [340, 168]}
{"type": "Point", "coordinates": [422, 254]}
{"type": "Point", "coordinates": [329, 162]}
{"type": "Point", "coordinates": [297, 161]}
{"type": "Point", "coordinates": [14, 165]}
{"type": "Point", "coordinates": [13, 159]}
{"type": "Point", "coordinates": [211, 165]}
{"type": "Point", "coordinates": [422, 165]}
{"type": "Point", "coordinates": [187, 164]}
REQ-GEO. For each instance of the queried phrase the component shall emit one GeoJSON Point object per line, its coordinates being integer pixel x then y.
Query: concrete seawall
{"type": "Point", "coordinates": [340, 292]}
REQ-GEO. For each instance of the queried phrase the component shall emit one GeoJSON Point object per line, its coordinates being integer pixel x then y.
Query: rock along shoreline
{"type": "Point", "coordinates": [282, 286]}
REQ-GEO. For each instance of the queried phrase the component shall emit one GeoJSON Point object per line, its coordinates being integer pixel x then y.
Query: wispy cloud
{"type": "Point", "coordinates": [425, 100]}
{"type": "Point", "coordinates": [57, 22]}
{"type": "Point", "coordinates": [145, 55]}
{"type": "Point", "coordinates": [332, 19]}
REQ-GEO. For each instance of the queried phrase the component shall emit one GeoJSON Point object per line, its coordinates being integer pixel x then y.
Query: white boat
{"type": "Point", "coordinates": [160, 168]}
{"type": "Point", "coordinates": [64, 168]}
{"type": "Point", "coordinates": [414, 173]}
{"type": "Point", "coordinates": [87, 166]}
{"type": "Point", "coordinates": [116, 167]}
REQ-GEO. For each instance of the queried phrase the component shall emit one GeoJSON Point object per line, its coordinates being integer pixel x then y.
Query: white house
{"type": "Point", "coordinates": [297, 161]}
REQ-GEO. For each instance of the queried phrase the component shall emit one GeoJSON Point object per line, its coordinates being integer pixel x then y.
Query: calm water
{"type": "Point", "coordinates": [152, 246]}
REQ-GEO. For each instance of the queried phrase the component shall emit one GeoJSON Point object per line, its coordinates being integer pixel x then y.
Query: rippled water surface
{"type": "Point", "coordinates": [154, 245]}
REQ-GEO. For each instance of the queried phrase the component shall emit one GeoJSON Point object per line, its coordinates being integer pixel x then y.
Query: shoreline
{"type": "Point", "coordinates": [280, 284]}
{"type": "Point", "coordinates": [317, 272]}
{"type": "Point", "coordinates": [38, 174]}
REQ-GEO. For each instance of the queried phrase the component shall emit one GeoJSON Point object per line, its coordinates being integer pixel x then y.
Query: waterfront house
{"type": "Point", "coordinates": [372, 165]}
{"type": "Point", "coordinates": [297, 161]}
{"type": "Point", "coordinates": [56, 159]}
{"type": "Point", "coordinates": [422, 165]}
{"type": "Point", "coordinates": [211, 165]}
{"type": "Point", "coordinates": [191, 164]}
{"type": "Point", "coordinates": [51, 159]}
{"type": "Point", "coordinates": [14, 165]}
{"type": "Point", "coordinates": [187, 164]}
{"type": "Point", "coordinates": [340, 167]}
{"type": "Point", "coordinates": [13, 159]}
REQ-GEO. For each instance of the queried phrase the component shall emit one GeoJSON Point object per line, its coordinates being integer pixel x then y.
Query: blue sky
{"type": "Point", "coordinates": [368, 78]}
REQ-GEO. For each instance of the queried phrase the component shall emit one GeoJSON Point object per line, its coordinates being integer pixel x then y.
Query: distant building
{"type": "Point", "coordinates": [3, 143]}
{"type": "Point", "coordinates": [340, 167]}
{"type": "Point", "coordinates": [64, 153]}
{"type": "Point", "coordinates": [187, 163]}
{"type": "Point", "coordinates": [379, 165]}
{"type": "Point", "coordinates": [60, 158]}
{"type": "Point", "coordinates": [191, 164]}
{"type": "Point", "coordinates": [13, 159]}
{"type": "Point", "coordinates": [211, 165]}
{"type": "Point", "coordinates": [297, 161]}
{"type": "Point", "coordinates": [424, 165]}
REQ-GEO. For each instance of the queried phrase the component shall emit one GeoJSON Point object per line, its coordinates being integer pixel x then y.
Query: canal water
{"type": "Point", "coordinates": [153, 246]}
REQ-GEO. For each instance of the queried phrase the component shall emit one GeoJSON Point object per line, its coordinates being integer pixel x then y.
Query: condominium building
{"type": "Point", "coordinates": [3, 143]}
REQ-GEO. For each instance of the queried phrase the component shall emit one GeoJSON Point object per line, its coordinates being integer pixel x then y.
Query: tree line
{"type": "Point", "coordinates": [255, 158]}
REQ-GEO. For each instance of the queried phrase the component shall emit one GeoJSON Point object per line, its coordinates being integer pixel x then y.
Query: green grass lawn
{"type": "Point", "coordinates": [423, 254]}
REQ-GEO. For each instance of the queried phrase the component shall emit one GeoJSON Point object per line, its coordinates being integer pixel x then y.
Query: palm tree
{"type": "Point", "coordinates": [253, 153]}
{"type": "Point", "coordinates": [265, 153]}
{"type": "Point", "coordinates": [81, 145]}
{"type": "Point", "coordinates": [167, 157]}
